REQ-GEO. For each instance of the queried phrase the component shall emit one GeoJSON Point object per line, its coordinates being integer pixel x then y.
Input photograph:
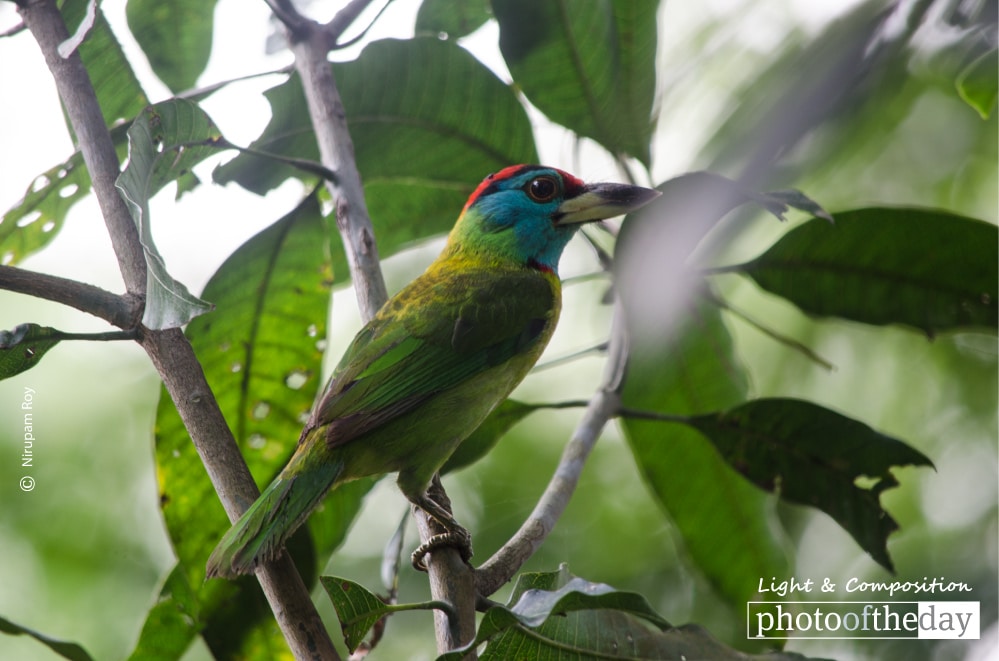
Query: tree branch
{"type": "Point", "coordinates": [451, 580]}
{"type": "Point", "coordinates": [121, 311]}
{"type": "Point", "coordinates": [606, 403]}
{"type": "Point", "coordinates": [169, 350]}
{"type": "Point", "coordinates": [337, 154]}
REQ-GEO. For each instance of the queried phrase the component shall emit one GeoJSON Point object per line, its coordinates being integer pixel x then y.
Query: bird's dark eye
{"type": "Point", "coordinates": [542, 189]}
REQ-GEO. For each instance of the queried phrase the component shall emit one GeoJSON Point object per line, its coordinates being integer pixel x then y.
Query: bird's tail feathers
{"type": "Point", "coordinates": [260, 533]}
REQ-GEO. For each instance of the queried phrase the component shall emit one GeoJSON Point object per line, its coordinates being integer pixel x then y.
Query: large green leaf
{"type": "Point", "coordinates": [814, 456]}
{"type": "Point", "coordinates": [260, 350]}
{"type": "Point", "coordinates": [725, 523]}
{"type": "Point", "coordinates": [164, 143]}
{"type": "Point", "coordinates": [175, 36]}
{"type": "Point", "coordinates": [433, 126]}
{"type": "Point", "coordinates": [557, 615]}
{"type": "Point", "coordinates": [588, 65]}
{"type": "Point", "coordinates": [930, 270]}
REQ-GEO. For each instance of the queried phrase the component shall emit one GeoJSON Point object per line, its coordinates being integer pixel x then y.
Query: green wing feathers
{"type": "Point", "coordinates": [440, 331]}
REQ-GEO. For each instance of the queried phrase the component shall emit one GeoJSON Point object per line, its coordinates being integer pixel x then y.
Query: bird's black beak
{"type": "Point", "coordinates": [600, 201]}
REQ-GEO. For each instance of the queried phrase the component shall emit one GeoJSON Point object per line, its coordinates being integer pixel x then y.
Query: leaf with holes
{"type": "Point", "coordinates": [164, 143]}
{"type": "Point", "coordinates": [38, 217]}
{"type": "Point", "coordinates": [813, 456]}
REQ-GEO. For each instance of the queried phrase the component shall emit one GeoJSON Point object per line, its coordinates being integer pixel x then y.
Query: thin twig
{"type": "Point", "coordinates": [14, 29]}
{"type": "Point", "coordinates": [335, 31]}
{"type": "Point", "coordinates": [508, 560]}
{"type": "Point", "coordinates": [568, 358]}
{"type": "Point", "coordinates": [344, 19]}
{"type": "Point", "coordinates": [775, 335]}
{"type": "Point", "coordinates": [285, 11]}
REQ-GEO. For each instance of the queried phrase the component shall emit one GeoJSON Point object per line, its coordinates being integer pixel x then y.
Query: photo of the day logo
{"type": "Point", "coordinates": [846, 619]}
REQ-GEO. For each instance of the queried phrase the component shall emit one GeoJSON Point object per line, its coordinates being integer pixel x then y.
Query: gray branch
{"type": "Point", "coordinates": [121, 311]}
{"type": "Point", "coordinates": [451, 581]}
{"type": "Point", "coordinates": [606, 403]}
{"type": "Point", "coordinates": [169, 350]}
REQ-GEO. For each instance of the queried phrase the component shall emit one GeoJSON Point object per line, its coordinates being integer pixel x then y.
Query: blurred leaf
{"type": "Point", "coordinates": [452, 19]}
{"type": "Point", "coordinates": [794, 199]}
{"type": "Point", "coordinates": [357, 609]}
{"type": "Point", "coordinates": [587, 65]}
{"type": "Point", "coordinates": [64, 649]}
{"type": "Point", "coordinates": [813, 456]}
{"type": "Point", "coordinates": [978, 84]}
{"type": "Point", "coordinates": [23, 347]}
{"type": "Point", "coordinates": [655, 243]}
{"type": "Point", "coordinates": [931, 270]}
{"type": "Point", "coordinates": [558, 615]}
{"type": "Point", "coordinates": [165, 142]}
{"type": "Point", "coordinates": [725, 523]}
{"type": "Point", "coordinates": [175, 36]}
{"type": "Point", "coordinates": [260, 350]}
{"type": "Point", "coordinates": [488, 434]}
{"type": "Point", "coordinates": [840, 81]}
{"type": "Point", "coordinates": [434, 126]}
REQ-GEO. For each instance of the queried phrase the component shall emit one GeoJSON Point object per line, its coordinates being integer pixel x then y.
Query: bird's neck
{"type": "Point", "coordinates": [507, 247]}
{"type": "Point", "coordinates": [474, 255]}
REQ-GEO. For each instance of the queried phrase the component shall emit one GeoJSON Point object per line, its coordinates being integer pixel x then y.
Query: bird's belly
{"type": "Point", "coordinates": [418, 443]}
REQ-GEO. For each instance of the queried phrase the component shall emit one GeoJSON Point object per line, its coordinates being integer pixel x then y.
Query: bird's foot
{"type": "Point", "coordinates": [457, 538]}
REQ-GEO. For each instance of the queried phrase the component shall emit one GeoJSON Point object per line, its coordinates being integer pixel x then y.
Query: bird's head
{"type": "Point", "coordinates": [528, 213]}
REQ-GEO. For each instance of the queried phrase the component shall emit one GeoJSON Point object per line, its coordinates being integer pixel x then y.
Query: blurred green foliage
{"type": "Point", "coordinates": [876, 105]}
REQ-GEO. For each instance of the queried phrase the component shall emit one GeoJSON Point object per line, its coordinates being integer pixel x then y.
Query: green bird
{"type": "Point", "coordinates": [437, 358]}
